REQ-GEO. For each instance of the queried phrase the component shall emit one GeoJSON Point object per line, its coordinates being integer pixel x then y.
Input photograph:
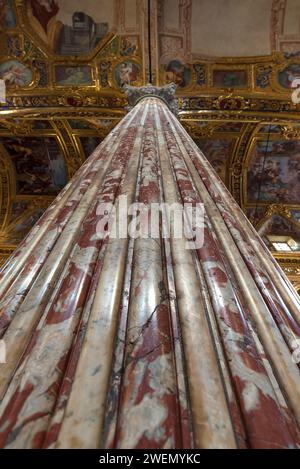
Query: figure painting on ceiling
{"type": "Point", "coordinates": [39, 164]}
{"type": "Point", "coordinates": [68, 75]}
{"type": "Point", "coordinates": [66, 30]}
{"type": "Point", "coordinates": [274, 172]}
{"type": "Point", "coordinates": [126, 73]}
{"type": "Point", "coordinates": [177, 73]}
{"type": "Point", "coordinates": [20, 226]}
{"type": "Point", "coordinates": [14, 73]}
{"type": "Point", "coordinates": [17, 209]}
{"type": "Point", "coordinates": [89, 144]}
{"type": "Point", "coordinates": [24, 225]}
{"type": "Point", "coordinates": [288, 75]}
{"type": "Point", "coordinates": [42, 17]}
{"type": "Point", "coordinates": [230, 78]}
{"type": "Point", "coordinates": [254, 214]}
{"type": "Point", "coordinates": [278, 225]}
{"type": "Point", "coordinates": [7, 15]}
{"type": "Point", "coordinates": [217, 151]}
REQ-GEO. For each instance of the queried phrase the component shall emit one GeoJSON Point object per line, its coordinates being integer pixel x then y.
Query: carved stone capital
{"type": "Point", "coordinates": [165, 93]}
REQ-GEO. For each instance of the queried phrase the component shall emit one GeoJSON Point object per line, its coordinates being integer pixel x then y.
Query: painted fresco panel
{"type": "Point", "coordinates": [39, 164]}
{"type": "Point", "coordinates": [177, 73]}
{"type": "Point", "coordinates": [288, 75]}
{"type": "Point", "coordinates": [278, 179]}
{"type": "Point", "coordinates": [14, 73]}
{"type": "Point", "coordinates": [217, 151]}
{"type": "Point", "coordinates": [66, 75]}
{"type": "Point", "coordinates": [126, 73]}
{"type": "Point", "coordinates": [70, 27]}
{"type": "Point", "coordinates": [230, 78]}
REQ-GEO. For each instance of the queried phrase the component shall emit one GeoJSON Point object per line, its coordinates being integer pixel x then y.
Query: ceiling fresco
{"type": "Point", "coordinates": [64, 63]}
{"type": "Point", "coordinates": [38, 164]}
{"type": "Point", "coordinates": [68, 27]}
{"type": "Point", "coordinates": [274, 171]}
{"type": "Point", "coordinates": [217, 151]}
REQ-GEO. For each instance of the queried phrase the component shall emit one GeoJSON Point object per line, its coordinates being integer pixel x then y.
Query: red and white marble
{"type": "Point", "coordinates": [141, 343]}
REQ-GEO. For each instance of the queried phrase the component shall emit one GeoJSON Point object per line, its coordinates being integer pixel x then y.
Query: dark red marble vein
{"type": "Point", "coordinates": [266, 414]}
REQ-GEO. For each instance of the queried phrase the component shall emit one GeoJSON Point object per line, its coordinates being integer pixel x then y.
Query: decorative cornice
{"type": "Point", "coordinates": [232, 103]}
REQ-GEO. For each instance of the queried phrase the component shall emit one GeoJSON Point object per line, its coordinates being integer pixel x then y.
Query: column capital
{"type": "Point", "coordinates": [165, 93]}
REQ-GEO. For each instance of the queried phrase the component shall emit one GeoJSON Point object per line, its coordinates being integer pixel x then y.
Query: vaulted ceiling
{"type": "Point", "coordinates": [64, 63]}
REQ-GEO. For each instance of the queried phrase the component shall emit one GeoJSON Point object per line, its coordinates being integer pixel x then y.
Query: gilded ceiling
{"type": "Point", "coordinates": [64, 63]}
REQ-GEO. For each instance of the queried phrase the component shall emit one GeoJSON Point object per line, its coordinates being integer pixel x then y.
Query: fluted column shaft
{"type": "Point", "coordinates": [142, 343]}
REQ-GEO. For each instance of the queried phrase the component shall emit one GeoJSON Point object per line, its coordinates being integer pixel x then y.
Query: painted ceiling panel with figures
{"type": "Point", "coordinates": [64, 63]}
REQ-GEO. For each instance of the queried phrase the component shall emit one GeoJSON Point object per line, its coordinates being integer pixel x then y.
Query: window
{"type": "Point", "coordinates": [281, 246]}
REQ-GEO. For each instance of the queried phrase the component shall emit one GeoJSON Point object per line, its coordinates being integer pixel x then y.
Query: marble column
{"type": "Point", "coordinates": [139, 342]}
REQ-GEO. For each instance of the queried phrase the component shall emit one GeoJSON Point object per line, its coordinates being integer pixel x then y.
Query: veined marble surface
{"type": "Point", "coordinates": [141, 343]}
